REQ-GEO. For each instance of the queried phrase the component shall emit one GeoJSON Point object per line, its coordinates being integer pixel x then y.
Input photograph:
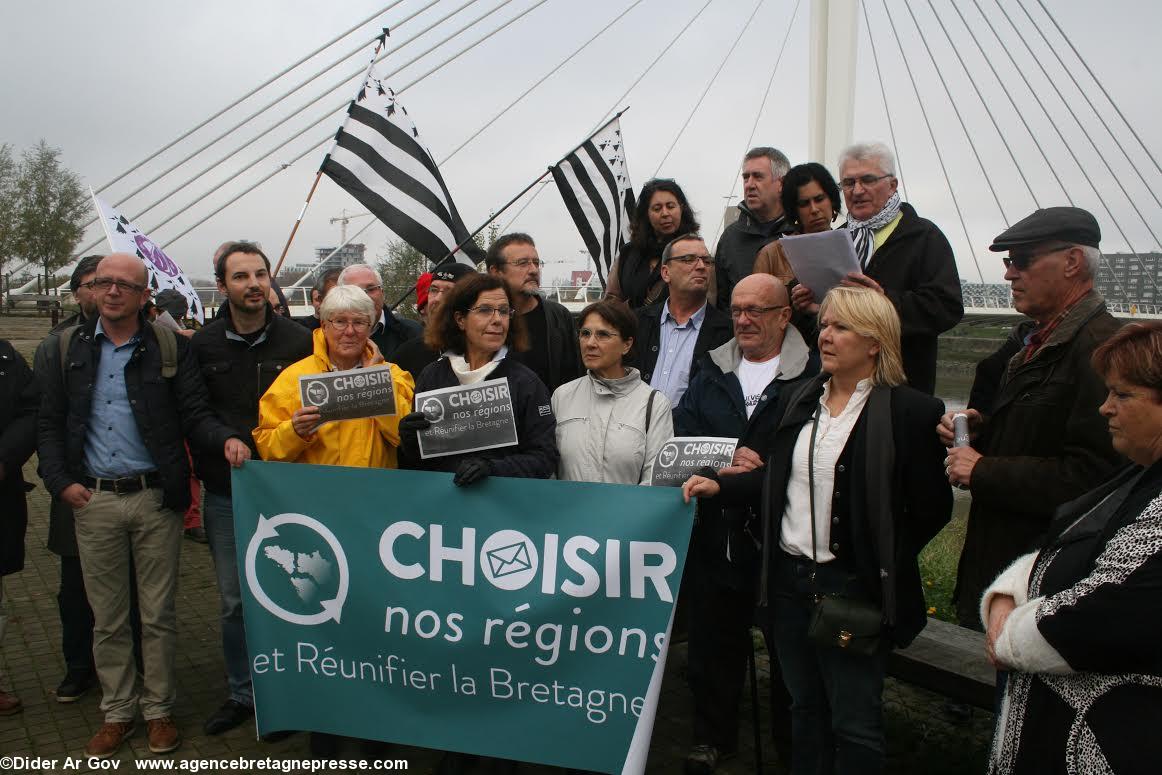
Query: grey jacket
{"type": "Point", "coordinates": [602, 429]}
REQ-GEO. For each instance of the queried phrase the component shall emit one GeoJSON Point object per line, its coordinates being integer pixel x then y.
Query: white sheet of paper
{"type": "Point", "coordinates": [822, 260]}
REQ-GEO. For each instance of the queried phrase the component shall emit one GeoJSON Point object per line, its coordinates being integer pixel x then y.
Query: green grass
{"type": "Point", "coordinates": [938, 563]}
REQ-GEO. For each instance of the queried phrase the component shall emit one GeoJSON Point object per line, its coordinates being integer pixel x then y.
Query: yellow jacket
{"type": "Point", "coordinates": [366, 442]}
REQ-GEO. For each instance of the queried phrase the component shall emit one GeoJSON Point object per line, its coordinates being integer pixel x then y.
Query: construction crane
{"type": "Point", "coordinates": [345, 219]}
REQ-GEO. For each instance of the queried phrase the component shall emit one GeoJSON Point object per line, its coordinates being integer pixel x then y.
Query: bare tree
{"type": "Point", "coordinates": [400, 265]}
{"type": "Point", "coordinates": [51, 208]}
{"type": "Point", "coordinates": [9, 173]}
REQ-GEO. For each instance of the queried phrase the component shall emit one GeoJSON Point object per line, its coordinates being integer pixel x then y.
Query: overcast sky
{"type": "Point", "coordinates": [109, 83]}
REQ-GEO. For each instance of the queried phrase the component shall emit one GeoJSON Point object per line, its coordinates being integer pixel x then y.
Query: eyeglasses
{"type": "Point", "coordinates": [525, 263]}
{"type": "Point", "coordinates": [600, 334]}
{"type": "Point", "coordinates": [691, 259]}
{"type": "Point", "coordinates": [866, 181]}
{"type": "Point", "coordinates": [1023, 262]}
{"type": "Point", "coordinates": [358, 326]}
{"type": "Point", "coordinates": [487, 311]}
{"type": "Point", "coordinates": [369, 289]}
{"type": "Point", "coordinates": [105, 283]}
{"type": "Point", "coordinates": [752, 312]}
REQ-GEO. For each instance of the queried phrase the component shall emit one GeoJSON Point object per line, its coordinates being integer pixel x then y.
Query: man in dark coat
{"type": "Point", "coordinates": [18, 403]}
{"type": "Point", "coordinates": [554, 352]}
{"type": "Point", "coordinates": [116, 409]}
{"type": "Point", "coordinates": [325, 282]}
{"type": "Point", "coordinates": [735, 395]}
{"type": "Point", "coordinates": [1044, 442]}
{"type": "Point", "coordinates": [674, 334]}
{"type": "Point", "coordinates": [239, 354]}
{"type": "Point", "coordinates": [76, 616]}
{"type": "Point", "coordinates": [388, 331]}
{"type": "Point", "coordinates": [761, 220]}
{"type": "Point", "coordinates": [903, 256]}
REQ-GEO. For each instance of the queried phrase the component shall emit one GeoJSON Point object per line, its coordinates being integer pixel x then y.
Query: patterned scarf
{"type": "Point", "coordinates": [862, 231]}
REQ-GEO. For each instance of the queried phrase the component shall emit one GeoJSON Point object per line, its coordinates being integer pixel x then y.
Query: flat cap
{"type": "Point", "coordinates": [1067, 224]}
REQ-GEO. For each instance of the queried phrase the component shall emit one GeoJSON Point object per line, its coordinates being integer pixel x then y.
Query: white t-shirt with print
{"type": "Point", "coordinates": [754, 377]}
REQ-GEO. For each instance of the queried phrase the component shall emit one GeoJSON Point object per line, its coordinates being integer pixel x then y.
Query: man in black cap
{"type": "Point", "coordinates": [414, 354]}
{"type": "Point", "coordinates": [1040, 442]}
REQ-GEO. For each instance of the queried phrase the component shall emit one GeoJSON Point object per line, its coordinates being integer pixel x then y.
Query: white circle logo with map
{"type": "Point", "coordinates": [668, 454]}
{"type": "Point", "coordinates": [302, 567]}
{"type": "Point", "coordinates": [317, 392]}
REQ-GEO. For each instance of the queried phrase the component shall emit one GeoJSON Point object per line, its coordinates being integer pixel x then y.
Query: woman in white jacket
{"type": "Point", "coordinates": [610, 424]}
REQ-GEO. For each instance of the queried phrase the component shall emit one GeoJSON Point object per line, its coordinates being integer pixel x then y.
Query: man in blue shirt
{"type": "Point", "coordinates": [675, 333]}
{"type": "Point", "coordinates": [113, 420]}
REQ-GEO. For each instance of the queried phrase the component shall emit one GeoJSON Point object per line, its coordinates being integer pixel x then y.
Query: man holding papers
{"type": "Point", "coordinates": [901, 255]}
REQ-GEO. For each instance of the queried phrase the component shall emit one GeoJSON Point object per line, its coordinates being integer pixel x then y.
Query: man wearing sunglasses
{"type": "Point", "coordinates": [1041, 442]}
{"type": "Point", "coordinates": [675, 333]}
{"type": "Point", "coordinates": [116, 409]}
{"type": "Point", "coordinates": [901, 255]}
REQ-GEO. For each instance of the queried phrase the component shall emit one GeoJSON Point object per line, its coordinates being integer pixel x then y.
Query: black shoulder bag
{"type": "Point", "coordinates": [838, 622]}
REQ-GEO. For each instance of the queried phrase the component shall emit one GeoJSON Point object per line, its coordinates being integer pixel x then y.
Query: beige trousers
{"type": "Point", "coordinates": [110, 529]}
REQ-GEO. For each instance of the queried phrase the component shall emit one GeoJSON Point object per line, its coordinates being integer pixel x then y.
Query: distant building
{"type": "Point", "coordinates": [580, 277]}
{"type": "Point", "coordinates": [1126, 278]}
{"type": "Point", "coordinates": [348, 254]}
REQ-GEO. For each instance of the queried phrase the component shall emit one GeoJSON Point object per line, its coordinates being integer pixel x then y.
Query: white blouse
{"type": "Point", "coordinates": [830, 439]}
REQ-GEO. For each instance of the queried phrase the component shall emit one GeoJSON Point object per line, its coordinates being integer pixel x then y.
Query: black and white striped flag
{"type": "Point", "coordinates": [594, 182]}
{"type": "Point", "coordinates": [378, 158]}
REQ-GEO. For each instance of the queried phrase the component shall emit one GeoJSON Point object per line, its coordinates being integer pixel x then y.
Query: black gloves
{"type": "Point", "coordinates": [470, 471]}
{"type": "Point", "coordinates": [409, 426]}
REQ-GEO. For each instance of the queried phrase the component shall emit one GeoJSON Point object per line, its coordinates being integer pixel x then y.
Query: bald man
{"type": "Point", "coordinates": [734, 394]}
{"type": "Point", "coordinates": [111, 431]}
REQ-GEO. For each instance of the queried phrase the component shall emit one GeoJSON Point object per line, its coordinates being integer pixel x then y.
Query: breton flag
{"type": "Point", "coordinates": [594, 182]}
{"type": "Point", "coordinates": [379, 159]}
{"type": "Point", "coordinates": [124, 237]}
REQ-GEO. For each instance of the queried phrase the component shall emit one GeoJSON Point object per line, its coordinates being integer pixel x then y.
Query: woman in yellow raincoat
{"type": "Point", "coordinates": [289, 432]}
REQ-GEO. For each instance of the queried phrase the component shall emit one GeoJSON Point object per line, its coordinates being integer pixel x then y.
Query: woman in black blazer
{"type": "Point", "coordinates": [853, 488]}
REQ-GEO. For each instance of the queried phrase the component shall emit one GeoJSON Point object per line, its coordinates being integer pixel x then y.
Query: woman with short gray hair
{"type": "Point", "coordinates": [291, 432]}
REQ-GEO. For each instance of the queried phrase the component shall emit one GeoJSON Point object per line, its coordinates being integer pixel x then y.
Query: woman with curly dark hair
{"type": "Point", "coordinates": [662, 213]}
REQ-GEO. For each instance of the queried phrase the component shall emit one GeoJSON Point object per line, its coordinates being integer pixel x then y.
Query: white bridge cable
{"type": "Point", "coordinates": [337, 85]}
{"type": "Point", "coordinates": [326, 116]}
{"type": "Point", "coordinates": [1017, 111]}
{"type": "Point", "coordinates": [1012, 102]}
{"type": "Point", "coordinates": [758, 115]}
{"type": "Point", "coordinates": [278, 100]}
{"type": "Point", "coordinates": [709, 85]}
{"type": "Point", "coordinates": [250, 94]}
{"type": "Point", "coordinates": [931, 134]}
{"type": "Point", "coordinates": [1064, 142]}
{"type": "Point", "coordinates": [1092, 75]}
{"type": "Point", "coordinates": [1092, 107]}
{"type": "Point", "coordinates": [960, 118]}
{"type": "Point", "coordinates": [984, 103]}
{"type": "Point", "coordinates": [331, 134]}
{"type": "Point", "coordinates": [1069, 107]}
{"type": "Point", "coordinates": [343, 83]}
{"type": "Point", "coordinates": [619, 101]}
{"type": "Point", "coordinates": [543, 78]}
{"type": "Point", "coordinates": [871, 44]}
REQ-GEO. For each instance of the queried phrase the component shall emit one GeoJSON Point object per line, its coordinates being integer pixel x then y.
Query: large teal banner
{"type": "Point", "coordinates": [516, 618]}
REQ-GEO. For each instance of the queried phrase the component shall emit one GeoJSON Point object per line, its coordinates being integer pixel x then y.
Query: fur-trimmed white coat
{"type": "Point", "coordinates": [1084, 644]}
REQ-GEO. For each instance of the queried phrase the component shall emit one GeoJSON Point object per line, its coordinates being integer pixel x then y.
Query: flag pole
{"type": "Point", "coordinates": [298, 221]}
{"type": "Point", "coordinates": [380, 43]}
{"type": "Point", "coordinates": [470, 237]}
{"type": "Point", "coordinates": [509, 204]}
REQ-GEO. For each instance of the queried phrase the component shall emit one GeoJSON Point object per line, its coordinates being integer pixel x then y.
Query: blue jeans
{"type": "Point", "coordinates": [218, 520]}
{"type": "Point", "coordinates": [836, 696]}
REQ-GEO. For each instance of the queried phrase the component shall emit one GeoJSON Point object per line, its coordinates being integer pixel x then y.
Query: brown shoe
{"type": "Point", "coordinates": [9, 703]}
{"type": "Point", "coordinates": [108, 739]}
{"type": "Point", "coordinates": [163, 734]}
